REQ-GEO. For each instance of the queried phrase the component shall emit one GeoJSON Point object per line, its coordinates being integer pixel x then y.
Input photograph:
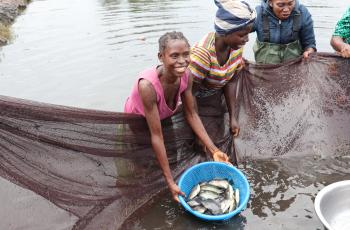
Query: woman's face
{"type": "Point", "coordinates": [282, 8]}
{"type": "Point", "coordinates": [175, 57]}
{"type": "Point", "coordinates": [238, 39]}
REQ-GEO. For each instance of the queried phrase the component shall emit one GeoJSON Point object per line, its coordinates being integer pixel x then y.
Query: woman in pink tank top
{"type": "Point", "coordinates": [157, 95]}
{"type": "Point", "coordinates": [134, 102]}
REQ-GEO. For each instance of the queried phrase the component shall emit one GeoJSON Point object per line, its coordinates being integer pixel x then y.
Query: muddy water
{"type": "Point", "coordinates": [282, 197]}
{"type": "Point", "coordinates": [87, 53]}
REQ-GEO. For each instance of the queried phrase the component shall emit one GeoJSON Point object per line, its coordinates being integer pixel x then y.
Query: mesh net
{"type": "Point", "coordinates": [93, 169]}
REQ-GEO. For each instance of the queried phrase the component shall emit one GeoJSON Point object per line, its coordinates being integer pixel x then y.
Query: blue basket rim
{"type": "Point", "coordinates": [226, 216]}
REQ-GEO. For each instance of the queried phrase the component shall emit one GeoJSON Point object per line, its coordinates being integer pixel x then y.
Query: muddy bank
{"type": "Point", "coordinates": [9, 10]}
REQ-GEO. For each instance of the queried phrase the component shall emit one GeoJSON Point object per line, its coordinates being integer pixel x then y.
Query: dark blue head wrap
{"type": "Point", "coordinates": [232, 15]}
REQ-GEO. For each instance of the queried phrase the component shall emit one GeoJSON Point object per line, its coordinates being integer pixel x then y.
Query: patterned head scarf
{"type": "Point", "coordinates": [232, 16]}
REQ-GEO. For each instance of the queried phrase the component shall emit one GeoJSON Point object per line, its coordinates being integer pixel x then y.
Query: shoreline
{"type": "Point", "coordinates": [9, 10]}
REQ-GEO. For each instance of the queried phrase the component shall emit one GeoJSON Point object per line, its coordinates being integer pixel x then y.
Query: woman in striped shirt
{"type": "Point", "coordinates": [217, 57]}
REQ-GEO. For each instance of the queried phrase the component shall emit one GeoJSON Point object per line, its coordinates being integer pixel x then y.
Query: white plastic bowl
{"type": "Point", "coordinates": [332, 205]}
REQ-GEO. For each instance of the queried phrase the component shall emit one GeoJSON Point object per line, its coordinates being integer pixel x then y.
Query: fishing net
{"type": "Point", "coordinates": [76, 168]}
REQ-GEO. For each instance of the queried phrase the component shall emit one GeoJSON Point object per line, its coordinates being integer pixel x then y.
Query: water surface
{"type": "Point", "coordinates": [87, 53]}
{"type": "Point", "coordinates": [282, 197]}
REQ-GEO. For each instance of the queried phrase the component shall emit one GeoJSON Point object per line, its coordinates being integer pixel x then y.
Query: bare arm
{"type": "Point", "coordinates": [230, 90]}
{"type": "Point", "coordinates": [340, 46]}
{"type": "Point", "coordinates": [149, 100]}
{"type": "Point", "coordinates": [193, 119]}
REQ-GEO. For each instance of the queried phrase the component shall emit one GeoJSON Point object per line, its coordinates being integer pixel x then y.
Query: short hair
{"type": "Point", "coordinates": [164, 39]}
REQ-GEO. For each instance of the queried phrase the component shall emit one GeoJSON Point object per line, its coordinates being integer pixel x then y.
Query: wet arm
{"type": "Point", "coordinates": [193, 119]}
{"type": "Point", "coordinates": [340, 46]}
{"type": "Point", "coordinates": [341, 32]}
{"type": "Point", "coordinates": [149, 100]}
{"type": "Point", "coordinates": [230, 90]}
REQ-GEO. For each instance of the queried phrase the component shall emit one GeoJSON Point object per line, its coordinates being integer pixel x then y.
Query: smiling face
{"type": "Point", "coordinates": [175, 57]}
{"type": "Point", "coordinates": [238, 39]}
{"type": "Point", "coordinates": [282, 8]}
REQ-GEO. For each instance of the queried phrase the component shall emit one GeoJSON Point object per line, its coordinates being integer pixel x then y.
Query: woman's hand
{"type": "Point", "coordinates": [234, 127]}
{"type": "Point", "coordinates": [345, 51]}
{"type": "Point", "coordinates": [175, 191]}
{"type": "Point", "coordinates": [307, 52]}
{"type": "Point", "coordinates": [221, 157]}
{"type": "Point", "coordinates": [340, 46]}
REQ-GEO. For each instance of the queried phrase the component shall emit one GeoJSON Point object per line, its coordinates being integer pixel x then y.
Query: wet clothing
{"type": "Point", "coordinates": [342, 28]}
{"type": "Point", "coordinates": [205, 67]}
{"type": "Point", "coordinates": [134, 102]}
{"type": "Point", "coordinates": [279, 41]}
{"type": "Point", "coordinates": [232, 16]}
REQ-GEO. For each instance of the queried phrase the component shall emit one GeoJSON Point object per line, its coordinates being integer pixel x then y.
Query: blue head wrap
{"type": "Point", "coordinates": [232, 15]}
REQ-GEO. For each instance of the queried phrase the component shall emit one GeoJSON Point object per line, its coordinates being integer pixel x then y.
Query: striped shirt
{"type": "Point", "coordinates": [342, 28]}
{"type": "Point", "coordinates": [205, 67]}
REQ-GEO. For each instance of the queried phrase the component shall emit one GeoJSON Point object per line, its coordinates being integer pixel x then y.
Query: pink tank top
{"type": "Point", "coordinates": [134, 103]}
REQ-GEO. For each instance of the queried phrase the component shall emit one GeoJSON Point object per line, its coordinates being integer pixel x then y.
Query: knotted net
{"type": "Point", "coordinates": [93, 169]}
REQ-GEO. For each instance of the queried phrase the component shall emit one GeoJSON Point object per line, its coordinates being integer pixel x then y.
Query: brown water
{"type": "Point", "coordinates": [282, 196]}
{"type": "Point", "coordinates": [87, 53]}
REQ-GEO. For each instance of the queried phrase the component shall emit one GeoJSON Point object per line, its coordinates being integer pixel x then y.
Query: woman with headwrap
{"type": "Point", "coordinates": [217, 57]}
{"type": "Point", "coordinates": [284, 31]}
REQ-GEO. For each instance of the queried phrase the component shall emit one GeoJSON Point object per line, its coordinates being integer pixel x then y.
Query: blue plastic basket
{"type": "Point", "coordinates": [207, 171]}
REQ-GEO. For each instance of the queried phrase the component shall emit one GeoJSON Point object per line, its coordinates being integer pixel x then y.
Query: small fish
{"type": "Point", "coordinates": [220, 183]}
{"type": "Point", "coordinates": [200, 209]}
{"type": "Point", "coordinates": [237, 196]}
{"type": "Point", "coordinates": [207, 212]}
{"type": "Point", "coordinates": [212, 188]}
{"type": "Point", "coordinates": [212, 206]}
{"type": "Point", "coordinates": [225, 205]}
{"type": "Point", "coordinates": [208, 195]}
{"type": "Point", "coordinates": [194, 202]}
{"type": "Point", "coordinates": [229, 193]}
{"type": "Point", "coordinates": [194, 192]}
{"type": "Point", "coordinates": [232, 205]}
{"type": "Point", "coordinates": [231, 198]}
{"type": "Point", "coordinates": [214, 197]}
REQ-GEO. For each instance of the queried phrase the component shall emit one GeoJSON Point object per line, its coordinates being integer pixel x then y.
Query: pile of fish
{"type": "Point", "coordinates": [214, 197]}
